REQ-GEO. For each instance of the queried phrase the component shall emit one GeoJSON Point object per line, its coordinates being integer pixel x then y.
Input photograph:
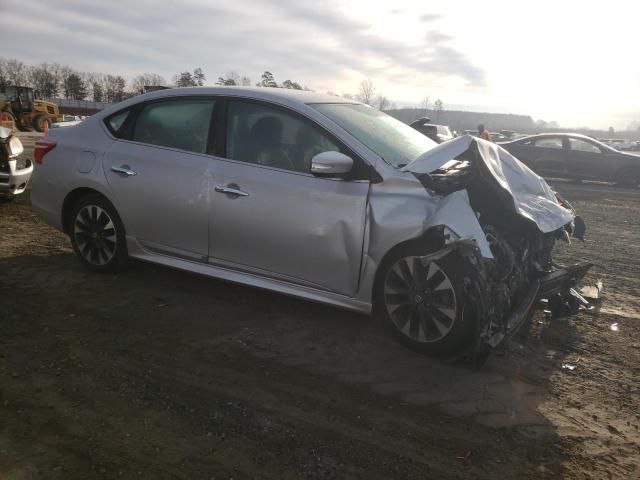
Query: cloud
{"type": "Point", "coordinates": [312, 43]}
{"type": "Point", "coordinates": [430, 17]}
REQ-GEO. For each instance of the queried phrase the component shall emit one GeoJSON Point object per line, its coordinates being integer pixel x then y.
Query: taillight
{"type": "Point", "coordinates": [43, 147]}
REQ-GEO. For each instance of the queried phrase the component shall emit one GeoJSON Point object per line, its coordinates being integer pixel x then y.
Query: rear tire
{"type": "Point", "coordinates": [627, 177]}
{"type": "Point", "coordinates": [425, 306]}
{"type": "Point", "coordinates": [97, 234]}
{"type": "Point", "coordinates": [39, 122]}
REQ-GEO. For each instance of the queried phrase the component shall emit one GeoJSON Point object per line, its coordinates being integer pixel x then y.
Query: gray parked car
{"type": "Point", "coordinates": [313, 196]}
{"type": "Point", "coordinates": [576, 156]}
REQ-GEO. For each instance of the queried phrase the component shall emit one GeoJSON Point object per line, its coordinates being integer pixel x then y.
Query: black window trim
{"type": "Point", "coordinates": [217, 138]}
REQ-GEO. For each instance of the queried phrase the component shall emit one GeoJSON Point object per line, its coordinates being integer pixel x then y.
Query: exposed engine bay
{"type": "Point", "coordinates": [504, 288]}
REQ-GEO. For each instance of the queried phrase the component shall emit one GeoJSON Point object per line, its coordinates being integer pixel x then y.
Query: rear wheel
{"type": "Point", "coordinates": [40, 122]}
{"type": "Point", "coordinates": [627, 177]}
{"type": "Point", "coordinates": [97, 234]}
{"type": "Point", "coordinates": [423, 303]}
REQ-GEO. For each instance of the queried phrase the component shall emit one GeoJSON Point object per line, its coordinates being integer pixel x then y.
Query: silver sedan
{"type": "Point", "coordinates": [313, 196]}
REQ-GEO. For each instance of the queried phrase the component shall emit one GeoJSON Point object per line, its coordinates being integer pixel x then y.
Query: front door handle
{"type": "Point", "coordinates": [231, 189]}
{"type": "Point", "coordinates": [124, 169]}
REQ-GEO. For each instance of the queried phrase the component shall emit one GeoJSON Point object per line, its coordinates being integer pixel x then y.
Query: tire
{"type": "Point", "coordinates": [627, 177]}
{"type": "Point", "coordinates": [97, 234]}
{"type": "Point", "coordinates": [7, 198]}
{"type": "Point", "coordinates": [425, 307]}
{"type": "Point", "coordinates": [39, 122]}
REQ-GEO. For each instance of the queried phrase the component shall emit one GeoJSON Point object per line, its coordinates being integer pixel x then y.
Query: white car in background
{"type": "Point", "coordinates": [14, 173]}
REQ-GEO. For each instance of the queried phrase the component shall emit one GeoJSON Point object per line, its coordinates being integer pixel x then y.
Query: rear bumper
{"type": "Point", "coordinates": [15, 181]}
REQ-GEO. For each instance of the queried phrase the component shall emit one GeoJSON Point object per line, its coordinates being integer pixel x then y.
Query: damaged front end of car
{"type": "Point", "coordinates": [14, 172]}
{"type": "Point", "coordinates": [502, 220]}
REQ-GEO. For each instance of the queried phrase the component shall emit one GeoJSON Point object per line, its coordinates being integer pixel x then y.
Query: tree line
{"type": "Point", "coordinates": [53, 80]}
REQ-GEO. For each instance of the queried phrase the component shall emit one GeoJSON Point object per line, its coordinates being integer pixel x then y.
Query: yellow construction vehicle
{"type": "Point", "coordinates": [27, 112]}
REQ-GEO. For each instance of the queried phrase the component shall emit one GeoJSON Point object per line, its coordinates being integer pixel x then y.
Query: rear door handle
{"type": "Point", "coordinates": [124, 169]}
{"type": "Point", "coordinates": [231, 189]}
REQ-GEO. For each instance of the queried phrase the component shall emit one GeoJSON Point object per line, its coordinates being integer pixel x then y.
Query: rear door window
{"type": "Point", "coordinates": [549, 142]}
{"type": "Point", "coordinates": [176, 123]}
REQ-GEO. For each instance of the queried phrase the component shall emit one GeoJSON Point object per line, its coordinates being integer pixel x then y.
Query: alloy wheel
{"type": "Point", "coordinates": [420, 299]}
{"type": "Point", "coordinates": [95, 235]}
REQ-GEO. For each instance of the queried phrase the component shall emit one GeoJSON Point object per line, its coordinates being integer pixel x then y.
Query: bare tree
{"type": "Point", "coordinates": [147, 80]}
{"type": "Point", "coordinates": [245, 81]}
{"type": "Point", "coordinates": [45, 79]}
{"type": "Point", "coordinates": [199, 77]}
{"type": "Point", "coordinates": [16, 72]}
{"type": "Point", "coordinates": [3, 73]}
{"type": "Point", "coordinates": [383, 102]}
{"type": "Point", "coordinates": [366, 91]}
{"type": "Point", "coordinates": [438, 108]}
{"type": "Point", "coordinates": [425, 103]}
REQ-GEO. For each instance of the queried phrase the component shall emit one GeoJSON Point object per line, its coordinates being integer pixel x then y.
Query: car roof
{"type": "Point", "coordinates": [265, 93]}
{"type": "Point", "coordinates": [552, 134]}
{"type": "Point", "coordinates": [284, 96]}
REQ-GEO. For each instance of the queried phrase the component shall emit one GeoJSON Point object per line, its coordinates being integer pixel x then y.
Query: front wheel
{"type": "Point", "coordinates": [423, 303]}
{"type": "Point", "coordinates": [97, 234]}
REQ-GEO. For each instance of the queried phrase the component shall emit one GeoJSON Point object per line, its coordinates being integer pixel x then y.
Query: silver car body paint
{"type": "Point", "coordinates": [318, 238]}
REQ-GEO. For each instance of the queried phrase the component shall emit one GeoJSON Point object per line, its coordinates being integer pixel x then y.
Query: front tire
{"type": "Point", "coordinates": [425, 305]}
{"type": "Point", "coordinates": [97, 234]}
{"type": "Point", "coordinates": [39, 122]}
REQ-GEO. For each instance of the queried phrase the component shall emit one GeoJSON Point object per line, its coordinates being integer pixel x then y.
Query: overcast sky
{"type": "Point", "coordinates": [570, 61]}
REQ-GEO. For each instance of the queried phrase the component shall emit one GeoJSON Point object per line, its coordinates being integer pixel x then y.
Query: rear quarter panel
{"type": "Point", "coordinates": [75, 162]}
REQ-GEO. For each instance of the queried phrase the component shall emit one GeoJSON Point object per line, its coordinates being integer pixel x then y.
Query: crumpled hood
{"type": "Point", "coordinates": [530, 195]}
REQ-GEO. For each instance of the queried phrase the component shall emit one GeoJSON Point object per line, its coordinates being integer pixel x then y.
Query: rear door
{"type": "Point", "coordinates": [160, 174]}
{"type": "Point", "coordinates": [271, 216]}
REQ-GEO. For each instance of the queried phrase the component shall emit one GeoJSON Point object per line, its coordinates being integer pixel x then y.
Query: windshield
{"type": "Point", "coordinates": [397, 143]}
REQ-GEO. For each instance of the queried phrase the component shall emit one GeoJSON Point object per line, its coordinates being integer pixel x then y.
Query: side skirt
{"type": "Point", "coordinates": [253, 280]}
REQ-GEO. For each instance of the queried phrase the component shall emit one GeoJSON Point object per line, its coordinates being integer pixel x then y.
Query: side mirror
{"type": "Point", "coordinates": [331, 164]}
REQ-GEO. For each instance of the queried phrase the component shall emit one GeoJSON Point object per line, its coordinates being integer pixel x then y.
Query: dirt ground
{"type": "Point", "coordinates": [157, 373]}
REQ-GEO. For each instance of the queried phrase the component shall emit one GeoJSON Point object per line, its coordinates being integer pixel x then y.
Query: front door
{"type": "Point", "coordinates": [549, 156]}
{"type": "Point", "coordinates": [587, 160]}
{"type": "Point", "coordinates": [161, 177]}
{"type": "Point", "coordinates": [271, 216]}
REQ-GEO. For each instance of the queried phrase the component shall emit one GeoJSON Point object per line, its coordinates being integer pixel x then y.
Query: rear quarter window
{"type": "Point", "coordinates": [116, 121]}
